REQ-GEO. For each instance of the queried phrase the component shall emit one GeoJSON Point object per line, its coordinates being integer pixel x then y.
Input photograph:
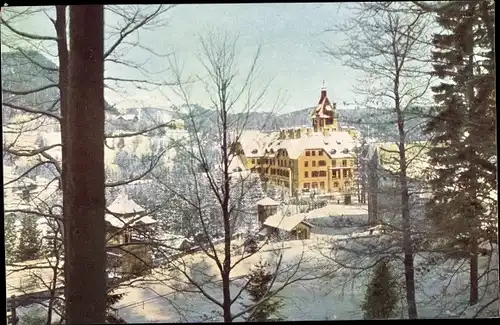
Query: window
{"type": "Point", "coordinates": [334, 173]}
{"type": "Point", "coordinates": [344, 173]}
{"type": "Point", "coordinates": [306, 164]}
{"type": "Point", "coordinates": [306, 174]}
{"type": "Point", "coordinates": [308, 153]}
{"type": "Point", "coordinates": [307, 185]}
{"type": "Point", "coordinates": [347, 184]}
{"type": "Point", "coordinates": [314, 185]}
{"type": "Point", "coordinates": [334, 163]}
{"type": "Point", "coordinates": [253, 161]}
{"type": "Point", "coordinates": [320, 153]}
{"type": "Point", "coordinates": [322, 185]}
{"type": "Point", "coordinates": [314, 163]}
{"type": "Point", "coordinates": [321, 163]}
{"type": "Point", "coordinates": [322, 173]}
{"type": "Point", "coordinates": [351, 163]}
{"type": "Point", "coordinates": [336, 184]}
{"type": "Point", "coordinates": [314, 174]}
{"type": "Point", "coordinates": [313, 152]}
{"type": "Point", "coordinates": [344, 163]}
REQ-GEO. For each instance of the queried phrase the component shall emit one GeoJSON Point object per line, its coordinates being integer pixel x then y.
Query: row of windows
{"type": "Point", "coordinates": [335, 174]}
{"type": "Point", "coordinates": [322, 184]}
{"type": "Point", "coordinates": [323, 163]}
{"type": "Point", "coordinates": [284, 163]}
{"type": "Point", "coordinates": [313, 152]}
{"type": "Point", "coordinates": [274, 171]}
{"type": "Point", "coordinates": [273, 162]}
{"type": "Point", "coordinates": [320, 173]}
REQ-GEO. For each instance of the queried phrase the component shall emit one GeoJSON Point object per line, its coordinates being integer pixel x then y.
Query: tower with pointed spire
{"type": "Point", "coordinates": [324, 114]}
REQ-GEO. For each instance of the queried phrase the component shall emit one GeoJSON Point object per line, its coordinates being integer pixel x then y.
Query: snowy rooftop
{"type": "Point", "coordinates": [286, 223]}
{"type": "Point", "coordinates": [267, 201]}
{"type": "Point", "coordinates": [130, 221]}
{"type": "Point", "coordinates": [258, 144]}
{"type": "Point", "coordinates": [339, 210]}
{"type": "Point", "coordinates": [123, 205]}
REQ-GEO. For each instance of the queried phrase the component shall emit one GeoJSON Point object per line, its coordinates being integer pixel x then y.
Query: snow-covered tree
{"type": "Point", "coordinates": [381, 295]}
{"type": "Point", "coordinates": [29, 239]}
{"type": "Point", "coordinates": [261, 279]}
{"type": "Point", "coordinates": [10, 234]}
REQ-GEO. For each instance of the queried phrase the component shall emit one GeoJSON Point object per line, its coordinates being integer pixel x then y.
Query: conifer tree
{"type": "Point", "coordinates": [10, 238]}
{"type": "Point", "coordinates": [381, 295]}
{"type": "Point", "coordinates": [463, 130]}
{"type": "Point", "coordinates": [260, 281]}
{"type": "Point", "coordinates": [29, 240]}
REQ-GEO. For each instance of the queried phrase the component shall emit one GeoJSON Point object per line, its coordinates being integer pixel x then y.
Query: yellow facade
{"type": "Point", "coordinates": [316, 167]}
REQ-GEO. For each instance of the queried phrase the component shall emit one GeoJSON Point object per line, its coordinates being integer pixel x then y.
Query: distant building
{"type": "Point", "coordinates": [320, 158]}
{"type": "Point", "coordinates": [380, 165]}
{"type": "Point", "coordinates": [129, 234]}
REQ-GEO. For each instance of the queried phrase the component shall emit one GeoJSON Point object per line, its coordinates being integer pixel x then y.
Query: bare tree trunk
{"type": "Point", "coordinates": [226, 292]}
{"type": "Point", "coordinates": [86, 259]}
{"type": "Point", "coordinates": [63, 55]}
{"type": "Point", "coordinates": [407, 240]}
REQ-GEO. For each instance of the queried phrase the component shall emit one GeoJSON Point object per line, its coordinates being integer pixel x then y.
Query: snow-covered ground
{"type": "Point", "coordinates": [441, 291]}
{"type": "Point", "coordinates": [327, 290]}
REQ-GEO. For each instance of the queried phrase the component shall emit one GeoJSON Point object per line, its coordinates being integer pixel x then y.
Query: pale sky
{"type": "Point", "coordinates": [291, 38]}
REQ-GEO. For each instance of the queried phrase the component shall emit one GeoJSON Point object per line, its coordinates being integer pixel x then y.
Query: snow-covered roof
{"type": "Point", "coordinates": [173, 241]}
{"type": "Point", "coordinates": [286, 223]}
{"type": "Point", "coordinates": [267, 201]}
{"type": "Point", "coordinates": [128, 117]}
{"type": "Point", "coordinates": [123, 205]}
{"type": "Point", "coordinates": [119, 222]}
{"type": "Point", "coordinates": [334, 143]}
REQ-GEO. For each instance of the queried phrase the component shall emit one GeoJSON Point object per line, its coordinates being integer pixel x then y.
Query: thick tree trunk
{"type": "Point", "coordinates": [86, 259]}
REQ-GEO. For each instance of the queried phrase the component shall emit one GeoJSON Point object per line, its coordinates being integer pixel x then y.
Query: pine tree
{"type": "Point", "coordinates": [463, 130]}
{"type": "Point", "coordinates": [29, 240]}
{"type": "Point", "coordinates": [112, 299]}
{"type": "Point", "coordinates": [10, 238]}
{"type": "Point", "coordinates": [260, 281]}
{"type": "Point", "coordinates": [381, 295]}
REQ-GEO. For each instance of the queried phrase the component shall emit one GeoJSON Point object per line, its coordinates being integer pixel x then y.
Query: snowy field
{"type": "Point", "coordinates": [337, 294]}
{"type": "Point", "coordinates": [327, 290]}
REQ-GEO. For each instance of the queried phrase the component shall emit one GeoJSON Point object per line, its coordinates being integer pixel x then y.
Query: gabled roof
{"type": "Point", "coordinates": [286, 223]}
{"type": "Point", "coordinates": [120, 222]}
{"type": "Point", "coordinates": [324, 108]}
{"type": "Point", "coordinates": [123, 205]}
{"type": "Point", "coordinates": [267, 201]}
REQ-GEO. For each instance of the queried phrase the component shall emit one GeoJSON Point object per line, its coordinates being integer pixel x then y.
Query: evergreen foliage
{"type": "Point", "coordinates": [260, 281]}
{"type": "Point", "coordinates": [112, 299]}
{"type": "Point", "coordinates": [381, 295]}
{"type": "Point", "coordinates": [29, 240]}
{"type": "Point", "coordinates": [10, 239]}
{"type": "Point", "coordinates": [463, 126]}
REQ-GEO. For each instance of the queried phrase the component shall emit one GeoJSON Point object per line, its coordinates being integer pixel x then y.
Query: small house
{"type": "Point", "coordinates": [128, 223]}
{"type": "Point", "coordinates": [266, 207]}
{"type": "Point", "coordinates": [294, 225]}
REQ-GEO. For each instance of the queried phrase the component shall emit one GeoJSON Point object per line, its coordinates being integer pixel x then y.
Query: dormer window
{"type": "Point", "coordinates": [346, 151]}
{"type": "Point", "coordinates": [339, 142]}
{"type": "Point", "coordinates": [254, 151]}
{"type": "Point", "coordinates": [333, 151]}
